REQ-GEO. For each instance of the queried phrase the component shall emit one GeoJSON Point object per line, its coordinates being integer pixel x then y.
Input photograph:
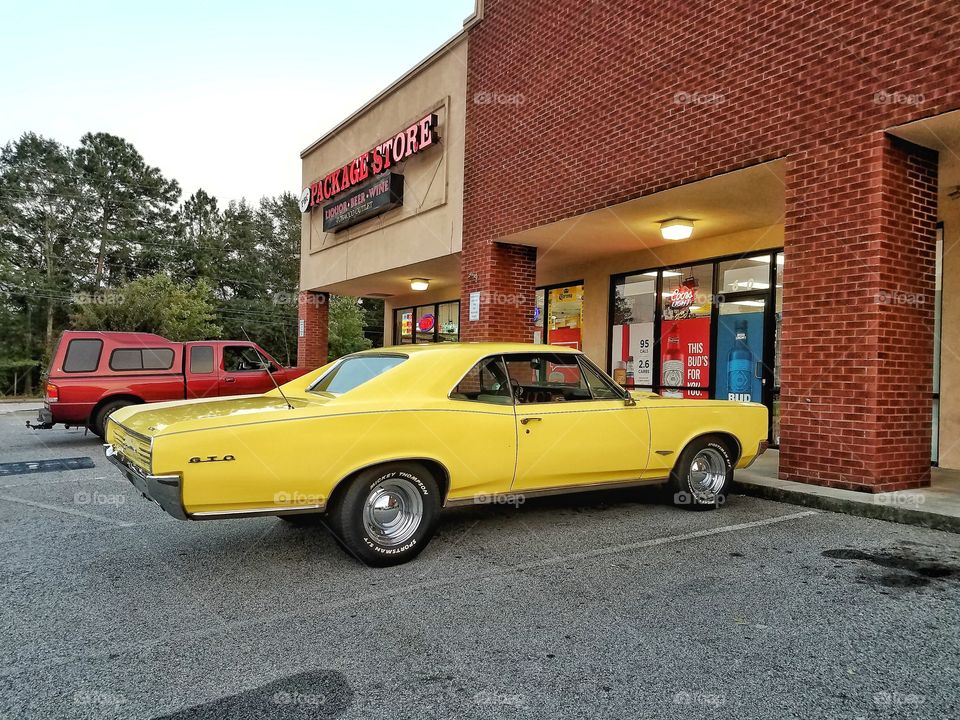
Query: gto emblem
{"type": "Point", "coordinates": [212, 458]}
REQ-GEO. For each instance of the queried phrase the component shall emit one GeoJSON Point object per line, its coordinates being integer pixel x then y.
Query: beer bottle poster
{"type": "Point", "coordinates": [633, 354]}
{"type": "Point", "coordinates": [739, 350]}
{"type": "Point", "coordinates": [685, 357]}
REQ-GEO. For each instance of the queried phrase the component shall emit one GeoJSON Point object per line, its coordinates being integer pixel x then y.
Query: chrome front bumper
{"type": "Point", "coordinates": [164, 490]}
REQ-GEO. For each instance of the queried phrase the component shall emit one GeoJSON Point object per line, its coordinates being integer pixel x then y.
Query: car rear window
{"type": "Point", "coordinates": [352, 372]}
{"type": "Point", "coordinates": [141, 359]}
{"type": "Point", "coordinates": [83, 355]}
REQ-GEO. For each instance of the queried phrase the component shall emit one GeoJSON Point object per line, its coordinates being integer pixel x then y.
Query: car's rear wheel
{"type": "Point", "coordinates": [387, 514]}
{"type": "Point", "coordinates": [702, 475]}
{"type": "Point", "coordinates": [98, 421]}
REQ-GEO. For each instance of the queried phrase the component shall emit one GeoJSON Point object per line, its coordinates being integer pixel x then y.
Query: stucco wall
{"type": "Point", "coordinates": [949, 215]}
{"type": "Point", "coordinates": [428, 225]}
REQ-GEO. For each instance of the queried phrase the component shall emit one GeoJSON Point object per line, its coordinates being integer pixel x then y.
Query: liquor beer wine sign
{"type": "Point", "coordinates": [375, 162]}
{"type": "Point", "coordinates": [382, 193]}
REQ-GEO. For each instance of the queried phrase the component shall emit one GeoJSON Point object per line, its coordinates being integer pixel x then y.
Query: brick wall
{"type": "Point", "coordinates": [858, 301]}
{"type": "Point", "coordinates": [574, 106]}
{"type": "Point", "coordinates": [506, 277]}
{"type": "Point", "coordinates": [314, 313]}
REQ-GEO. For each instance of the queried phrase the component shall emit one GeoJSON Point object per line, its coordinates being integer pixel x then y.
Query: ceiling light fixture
{"type": "Point", "coordinates": [676, 229]}
{"type": "Point", "coordinates": [419, 284]}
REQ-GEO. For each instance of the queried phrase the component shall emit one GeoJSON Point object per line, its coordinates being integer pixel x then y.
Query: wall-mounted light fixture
{"type": "Point", "coordinates": [676, 229]}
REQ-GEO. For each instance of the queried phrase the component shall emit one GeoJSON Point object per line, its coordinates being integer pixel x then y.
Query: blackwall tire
{"type": "Point", "coordinates": [98, 423]}
{"type": "Point", "coordinates": [702, 476]}
{"type": "Point", "coordinates": [387, 515]}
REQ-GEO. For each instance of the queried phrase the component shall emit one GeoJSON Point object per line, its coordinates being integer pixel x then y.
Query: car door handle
{"type": "Point", "coordinates": [229, 379]}
{"type": "Point", "coordinates": [524, 421]}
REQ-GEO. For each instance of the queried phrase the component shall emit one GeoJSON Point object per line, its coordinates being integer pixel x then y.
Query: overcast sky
{"type": "Point", "coordinates": [219, 95]}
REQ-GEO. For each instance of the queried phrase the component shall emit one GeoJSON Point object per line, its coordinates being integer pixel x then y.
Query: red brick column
{"type": "Point", "coordinates": [506, 278]}
{"type": "Point", "coordinates": [312, 328]}
{"type": "Point", "coordinates": [858, 303]}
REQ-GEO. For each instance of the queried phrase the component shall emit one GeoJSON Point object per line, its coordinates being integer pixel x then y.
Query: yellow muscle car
{"type": "Point", "coordinates": [381, 440]}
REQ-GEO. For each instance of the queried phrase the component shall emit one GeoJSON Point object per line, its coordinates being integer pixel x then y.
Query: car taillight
{"type": "Point", "coordinates": [53, 392]}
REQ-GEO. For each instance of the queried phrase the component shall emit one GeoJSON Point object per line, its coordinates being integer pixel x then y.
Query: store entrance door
{"type": "Point", "coordinates": [744, 361]}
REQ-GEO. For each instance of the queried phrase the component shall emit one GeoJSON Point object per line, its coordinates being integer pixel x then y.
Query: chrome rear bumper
{"type": "Point", "coordinates": [762, 447]}
{"type": "Point", "coordinates": [164, 490]}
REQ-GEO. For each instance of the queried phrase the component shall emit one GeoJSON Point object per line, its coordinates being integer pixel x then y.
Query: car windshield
{"type": "Point", "coordinates": [353, 372]}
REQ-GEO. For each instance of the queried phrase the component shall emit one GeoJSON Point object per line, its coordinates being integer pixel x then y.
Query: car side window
{"type": "Point", "coordinates": [600, 387]}
{"type": "Point", "coordinates": [547, 377]}
{"type": "Point", "coordinates": [242, 358]}
{"type": "Point", "coordinates": [487, 382]}
{"type": "Point", "coordinates": [201, 359]}
{"type": "Point", "coordinates": [83, 355]}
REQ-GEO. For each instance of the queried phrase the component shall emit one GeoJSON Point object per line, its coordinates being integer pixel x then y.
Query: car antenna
{"type": "Point", "coordinates": [272, 378]}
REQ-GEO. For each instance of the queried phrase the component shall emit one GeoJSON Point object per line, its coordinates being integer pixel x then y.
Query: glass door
{"type": "Point", "coordinates": [743, 370]}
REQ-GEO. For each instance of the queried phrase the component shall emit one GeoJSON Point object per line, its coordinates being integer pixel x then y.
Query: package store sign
{"type": "Point", "coordinates": [382, 193]}
{"type": "Point", "coordinates": [386, 155]}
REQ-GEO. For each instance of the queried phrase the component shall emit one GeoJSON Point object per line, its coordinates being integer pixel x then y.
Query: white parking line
{"type": "Point", "coordinates": [68, 511]}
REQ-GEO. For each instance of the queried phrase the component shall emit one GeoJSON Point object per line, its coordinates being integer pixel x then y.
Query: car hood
{"type": "Point", "coordinates": [151, 420]}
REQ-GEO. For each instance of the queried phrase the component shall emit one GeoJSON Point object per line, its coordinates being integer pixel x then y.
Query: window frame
{"type": "Point", "coordinates": [397, 336]}
{"type": "Point", "coordinates": [66, 355]}
{"type": "Point", "coordinates": [213, 360]}
{"type": "Point", "coordinates": [545, 335]}
{"type": "Point", "coordinates": [173, 356]}
{"type": "Point", "coordinates": [223, 360]}
{"type": "Point", "coordinates": [503, 364]}
{"type": "Point", "coordinates": [403, 357]}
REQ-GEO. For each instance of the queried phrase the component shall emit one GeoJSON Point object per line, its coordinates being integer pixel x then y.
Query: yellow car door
{"type": "Point", "coordinates": [574, 425]}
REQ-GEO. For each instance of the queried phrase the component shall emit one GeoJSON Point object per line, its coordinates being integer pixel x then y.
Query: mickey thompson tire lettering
{"type": "Point", "coordinates": [388, 495]}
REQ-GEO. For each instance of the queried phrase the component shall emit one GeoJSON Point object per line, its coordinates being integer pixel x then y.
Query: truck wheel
{"type": "Point", "coordinates": [387, 514]}
{"type": "Point", "coordinates": [98, 421]}
{"type": "Point", "coordinates": [702, 476]}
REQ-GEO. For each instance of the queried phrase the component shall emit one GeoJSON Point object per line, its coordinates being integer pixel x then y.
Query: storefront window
{"type": "Point", "coordinates": [448, 319]}
{"type": "Point", "coordinates": [634, 312]}
{"type": "Point", "coordinates": [427, 323]}
{"type": "Point", "coordinates": [745, 274]}
{"type": "Point", "coordinates": [404, 327]}
{"type": "Point", "coordinates": [701, 331]}
{"type": "Point", "coordinates": [565, 316]}
{"type": "Point", "coordinates": [686, 304]}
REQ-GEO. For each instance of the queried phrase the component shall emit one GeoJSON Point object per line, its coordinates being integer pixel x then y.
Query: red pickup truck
{"type": "Point", "coordinates": [94, 373]}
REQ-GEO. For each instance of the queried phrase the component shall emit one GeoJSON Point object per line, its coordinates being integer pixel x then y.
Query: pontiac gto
{"type": "Point", "coordinates": [381, 440]}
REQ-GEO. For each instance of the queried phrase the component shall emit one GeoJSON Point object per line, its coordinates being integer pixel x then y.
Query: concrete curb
{"type": "Point", "coordinates": [864, 508]}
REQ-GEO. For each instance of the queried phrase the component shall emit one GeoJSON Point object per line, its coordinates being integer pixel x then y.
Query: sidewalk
{"type": "Point", "coordinates": [937, 506]}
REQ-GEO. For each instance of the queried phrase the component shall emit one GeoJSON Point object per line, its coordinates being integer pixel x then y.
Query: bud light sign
{"type": "Point", "coordinates": [739, 357]}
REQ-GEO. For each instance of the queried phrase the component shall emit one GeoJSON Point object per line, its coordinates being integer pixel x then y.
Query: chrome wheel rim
{"type": "Point", "coordinates": [392, 512]}
{"type": "Point", "coordinates": [708, 473]}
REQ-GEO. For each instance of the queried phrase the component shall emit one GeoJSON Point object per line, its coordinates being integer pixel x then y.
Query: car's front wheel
{"type": "Point", "coordinates": [702, 475]}
{"type": "Point", "coordinates": [387, 514]}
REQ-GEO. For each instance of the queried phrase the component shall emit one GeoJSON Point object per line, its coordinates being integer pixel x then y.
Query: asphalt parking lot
{"type": "Point", "coordinates": [598, 605]}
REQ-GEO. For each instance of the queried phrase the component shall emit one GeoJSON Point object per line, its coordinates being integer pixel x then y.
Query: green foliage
{"type": "Point", "coordinates": [94, 237]}
{"type": "Point", "coordinates": [178, 311]}
{"type": "Point", "coordinates": [346, 327]}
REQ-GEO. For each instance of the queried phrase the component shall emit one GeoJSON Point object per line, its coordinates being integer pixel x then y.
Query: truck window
{"type": "Point", "coordinates": [201, 359]}
{"type": "Point", "coordinates": [141, 359]}
{"type": "Point", "coordinates": [242, 358]}
{"type": "Point", "coordinates": [83, 355]}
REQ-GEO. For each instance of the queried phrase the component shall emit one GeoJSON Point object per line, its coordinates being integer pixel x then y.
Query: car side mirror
{"type": "Point", "coordinates": [629, 401]}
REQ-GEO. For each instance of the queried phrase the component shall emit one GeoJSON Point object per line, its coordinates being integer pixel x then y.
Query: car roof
{"type": "Point", "coordinates": [476, 349]}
